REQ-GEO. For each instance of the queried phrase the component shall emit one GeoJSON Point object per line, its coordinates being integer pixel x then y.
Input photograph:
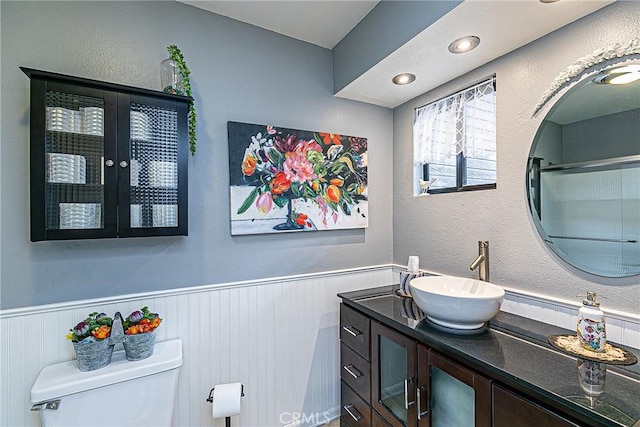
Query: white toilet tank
{"type": "Point", "coordinates": [124, 393]}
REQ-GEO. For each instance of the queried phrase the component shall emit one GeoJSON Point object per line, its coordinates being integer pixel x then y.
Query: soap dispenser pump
{"type": "Point", "coordinates": [591, 329]}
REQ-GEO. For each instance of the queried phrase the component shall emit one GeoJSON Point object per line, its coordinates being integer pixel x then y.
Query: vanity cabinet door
{"type": "Point", "coordinates": [510, 410]}
{"type": "Point", "coordinates": [450, 394]}
{"type": "Point", "coordinates": [393, 376]}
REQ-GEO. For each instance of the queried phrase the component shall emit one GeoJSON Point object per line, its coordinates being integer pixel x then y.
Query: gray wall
{"type": "Point", "coordinates": [444, 229]}
{"type": "Point", "coordinates": [240, 73]}
{"type": "Point", "coordinates": [389, 25]}
{"type": "Point", "coordinates": [614, 135]}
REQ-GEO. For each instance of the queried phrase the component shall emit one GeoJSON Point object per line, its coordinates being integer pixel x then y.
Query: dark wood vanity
{"type": "Point", "coordinates": [401, 371]}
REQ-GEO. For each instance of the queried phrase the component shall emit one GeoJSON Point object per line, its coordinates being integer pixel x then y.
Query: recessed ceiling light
{"type": "Point", "coordinates": [404, 79]}
{"type": "Point", "coordinates": [548, 1]}
{"type": "Point", "coordinates": [619, 75]}
{"type": "Point", "coordinates": [464, 44]}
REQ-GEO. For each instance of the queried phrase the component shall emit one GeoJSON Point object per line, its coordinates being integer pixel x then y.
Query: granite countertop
{"type": "Point", "coordinates": [514, 351]}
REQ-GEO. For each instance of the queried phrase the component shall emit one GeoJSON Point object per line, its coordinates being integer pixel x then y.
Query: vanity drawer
{"type": "Point", "coordinates": [355, 371]}
{"type": "Point", "coordinates": [354, 410]}
{"type": "Point", "coordinates": [354, 330]}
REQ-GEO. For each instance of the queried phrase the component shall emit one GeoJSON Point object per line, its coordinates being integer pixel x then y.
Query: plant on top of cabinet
{"type": "Point", "coordinates": [107, 160]}
{"type": "Point", "coordinates": [178, 70]}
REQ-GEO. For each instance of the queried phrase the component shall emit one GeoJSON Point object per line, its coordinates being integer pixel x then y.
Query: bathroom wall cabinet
{"type": "Point", "coordinates": [106, 160]}
{"type": "Point", "coordinates": [398, 381]}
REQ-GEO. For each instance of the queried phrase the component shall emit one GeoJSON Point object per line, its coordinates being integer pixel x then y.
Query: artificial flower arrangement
{"type": "Point", "coordinates": [330, 170]}
{"type": "Point", "coordinates": [96, 327]}
{"type": "Point", "coordinates": [141, 321]}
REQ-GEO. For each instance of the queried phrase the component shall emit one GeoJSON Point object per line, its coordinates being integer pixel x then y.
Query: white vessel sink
{"type": "Point", "coordinates": [456, 302]}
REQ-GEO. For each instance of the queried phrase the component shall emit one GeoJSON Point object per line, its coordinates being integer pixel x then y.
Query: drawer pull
{"type": "Point", "coordinates": [353, 331]}
{"type": "Point", "coordinates": [351, 409]}
{"type": "Point", "coordinates": [353, 371]}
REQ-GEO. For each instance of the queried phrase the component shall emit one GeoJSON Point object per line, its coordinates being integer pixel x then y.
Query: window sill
{"type": "Point", "coordinates": [462, 189]}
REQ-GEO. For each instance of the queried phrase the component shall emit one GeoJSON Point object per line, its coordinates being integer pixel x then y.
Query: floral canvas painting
{"type": "Point", "coordinates": [285, 180]}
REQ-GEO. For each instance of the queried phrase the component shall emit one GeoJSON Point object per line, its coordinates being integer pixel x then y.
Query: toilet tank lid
{"type": "Point", "coordinates": [65, 378]}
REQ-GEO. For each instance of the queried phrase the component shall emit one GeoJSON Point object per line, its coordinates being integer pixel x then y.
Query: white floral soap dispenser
{"type": "Point", "coordinates": [591, 329]}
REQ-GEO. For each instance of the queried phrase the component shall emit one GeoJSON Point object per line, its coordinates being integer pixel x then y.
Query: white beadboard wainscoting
{"type": "Point", "coordinates": [279, 337]}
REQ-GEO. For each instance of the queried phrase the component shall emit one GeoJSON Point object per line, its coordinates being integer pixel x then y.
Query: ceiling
{"type": "Point", "coordinates": [502, 26]}
{"type": "Point", "coordinates": [298, 19]}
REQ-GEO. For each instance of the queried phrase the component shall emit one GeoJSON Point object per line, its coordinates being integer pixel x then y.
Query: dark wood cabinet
{"type": "Point", "coordinates": [106, 160]}
{"type": "Point", "coordinates": [510, 410]}
{"type": "Point", "coordinates": [413, 385]}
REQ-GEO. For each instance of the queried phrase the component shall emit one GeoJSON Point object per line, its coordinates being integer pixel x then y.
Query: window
{"type": "Point", "coordinates": [454, 141]}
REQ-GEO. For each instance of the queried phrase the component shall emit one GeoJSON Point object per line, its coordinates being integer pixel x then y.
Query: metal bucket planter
{"type": "Point", "coordinates": [139, 346]}
{"type": "Point", "coordinates": [93, 355]}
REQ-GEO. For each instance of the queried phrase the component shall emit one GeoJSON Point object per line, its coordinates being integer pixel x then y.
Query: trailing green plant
{"type": "Point", "coordinates": [177, 56]}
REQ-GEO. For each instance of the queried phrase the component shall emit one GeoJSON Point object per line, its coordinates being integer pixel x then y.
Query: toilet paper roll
{"type": "Point", "coordinates": [226, 400]}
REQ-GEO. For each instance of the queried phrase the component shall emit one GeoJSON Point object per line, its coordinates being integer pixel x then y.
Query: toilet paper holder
{"type": "Point", "coordinates": [227, 420]}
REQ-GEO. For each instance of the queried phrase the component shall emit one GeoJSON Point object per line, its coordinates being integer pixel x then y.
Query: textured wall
{"type": "Point", "coordinates": [444, 229]}
{"type": "Point", "coordinates": [239, 72]}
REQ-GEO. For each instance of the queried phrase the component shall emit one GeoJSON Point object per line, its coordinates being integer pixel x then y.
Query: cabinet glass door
{"type": "Point", "coordinates": [151, 201]}
{"type": "Point", "coordinates": [452, 401]}
{"type": "Point", "coordinates": [450, 394]}
{"type": "Point", "coordinates": [393, 371]}
{"type": "Point", "coordinates": [70, 187]}
{"type": "Point", "coordinates": [393, 365]}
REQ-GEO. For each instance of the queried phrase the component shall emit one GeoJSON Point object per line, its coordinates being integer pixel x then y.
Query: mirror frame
{"type": "Point", "coordinates": [580, 70]}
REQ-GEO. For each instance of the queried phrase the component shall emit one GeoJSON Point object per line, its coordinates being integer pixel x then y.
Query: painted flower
{"type": "Point", "coordinates": [333, 193]}
{"type": "Point", "coordinates": [249, 165]}
{"type": "Point", "coordinates": [298, 169]}
{"type": "Point", "coordinates": [301, 219]}
{"type": "Point", "coordinates": [330, 138]}
{"type": "Point", "coordinates": [271, 130]}
{"type": "Point", "coordinates": [337, 182]}
{"type": "Point", "coordinates": [280, 183]}
{"type": "Point", "coordinates": [286, 145]}
{"type": "Point", "coordinates": [264, 203]}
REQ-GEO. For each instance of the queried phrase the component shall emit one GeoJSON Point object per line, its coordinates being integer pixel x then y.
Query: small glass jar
{"type": "Point", "coordinates": [170, 77]}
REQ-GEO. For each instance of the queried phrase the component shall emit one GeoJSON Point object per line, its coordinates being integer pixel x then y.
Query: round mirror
{"type": "Point", "coordinates": [583, 177]}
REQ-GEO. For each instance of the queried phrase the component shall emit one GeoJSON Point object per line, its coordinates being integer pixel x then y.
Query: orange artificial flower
{"type": "Point", "coordinates": [279, 184]}
{"type": "Point", "coordinates": [333, 193]}
{"type": "Point", "coordinates": [337, 182]}
{"type": "Point", "coordinates": [102, 332]}
{"type": "Point", "coordinates": [330, 138]}
{"type": "Point", "coordinates": [249, 165]}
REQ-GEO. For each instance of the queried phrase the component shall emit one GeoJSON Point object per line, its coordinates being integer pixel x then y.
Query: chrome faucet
{"type": "Point", "coordinates": [482, 261]}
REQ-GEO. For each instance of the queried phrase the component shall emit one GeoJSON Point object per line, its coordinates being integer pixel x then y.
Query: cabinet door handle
{"type": "Point", "coordinates": [419, 403]}
{"type": "Point", "coordinates": [109, 163]}
{"type": "Point", "coordinates": [353, 331]}
{"type": "Point", "coordinates": [350, 369]}
{"type": "Point", "coordinates": [123, 164]}
{"type": "Point", "coordinates": [351, 409]}
{"type": "Point", "coordinates": [406, 393]}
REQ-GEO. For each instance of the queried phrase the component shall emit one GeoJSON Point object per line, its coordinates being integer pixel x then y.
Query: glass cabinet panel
{"type": "Point", "coordinates": [74, 158]}
{"type": "Point", "coordinates": [154, 166]}
{"type": "Point", "coordinates": [452, 401]}
{"type": "Point", "coordinates": [393, 371]}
